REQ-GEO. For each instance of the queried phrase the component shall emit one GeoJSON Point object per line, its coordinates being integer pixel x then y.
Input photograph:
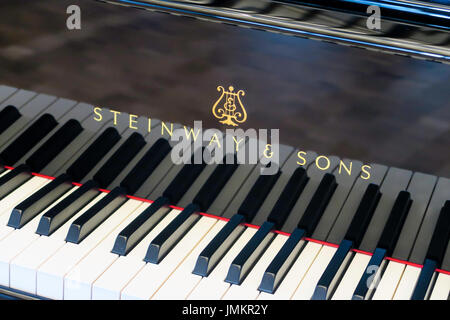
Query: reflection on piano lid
{"type": "Point", "coordinates": [196, 231]}
{"type": "Point", "coordinates": [412, 28]}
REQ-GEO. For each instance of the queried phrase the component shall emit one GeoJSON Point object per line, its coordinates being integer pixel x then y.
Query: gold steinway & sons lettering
{"type": "Point", "coordinates": [322, 162]}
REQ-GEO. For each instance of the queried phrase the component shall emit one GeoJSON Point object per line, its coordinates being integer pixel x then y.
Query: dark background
{"type": "Point", "coordinates": [332, 99]}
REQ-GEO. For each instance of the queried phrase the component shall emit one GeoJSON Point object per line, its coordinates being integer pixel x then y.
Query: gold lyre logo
{"type": "Point", "coordinates": [226, 107]}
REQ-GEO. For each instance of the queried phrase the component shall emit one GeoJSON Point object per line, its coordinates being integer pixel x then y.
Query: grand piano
{"type": "Point", "coordinates": [93, 205]}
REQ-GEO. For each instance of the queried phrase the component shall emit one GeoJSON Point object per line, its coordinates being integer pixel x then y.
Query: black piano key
{"type": "Point", "coordinates": [119, 160]}
{"type": "Point", "coordinates": [66, 208]}
{"type": "Point", "coordinates": [215, 183]}
{"type": "Point", "coordinates": [424, 280]}
{"type": "Point", "coordinates": [435, 253]}
{"type": "Point", "coordinates": [30, 106]}
{"type": "Point", "coordinates": [30, 207]}
{"type": "Point", "coordinates": [249, 255]}
{"type": "Point", "coordinates": [163, 243]}
{"type": "Point", "coordinates": [318, 204]}
{"type": "Point", "coordinates": [183, 180]}
{"type": "Point", "coordinates": [395, 222]}
{"type": "Point", "coordinates": [11, 180]}
{"type": "Point", "coordinates": [8, 116]}
{"type": "Point", "coordinates": [215, 250]}
{"type": "Point", "coordinates": [145, 166]}
{"type": "Point", "coordinates": [42, 156]}
{"type": "Point", "coordinates": [284, 259]}
{"type": "Point", "coordinates": [54, 145]}
{"type": "Point", "coordinates": [441, 235]}
{"type": "Point", "coordinates": [363, 214]}
{"type": "Point", "coordinates": [362, 291]}
{"type": "Point", "coordinates": [28, 139]}
{"type": "Point", "coordinates": [387, 242]}
{"type": "Point", "coordinates": [257, 195]}
{"type": "Point", "coordinates": [288, 198]}
{"type": "Point", "coordinates": [93, 154]}
{"type": "Point", "coordinates": [282, 262]}
{"type": "Point", "coordinates": [219, 246]}
{"type": "Point", "coordinates": [252, 251]}
{"type": "Point", "coordinates": [139, 227]}
{"type": "Point", "coordinates": [45, 196]}
{"type": "Point", "coordinates": [166, 239]}
{"type": "Point", "coordinates": [333, 273]}
{"type": "Point", "coordinates": [93, 217]}
{"type": "Point", "coordinates": [133, 233]}
{"type": "Point", "coordinates": [353, 237]}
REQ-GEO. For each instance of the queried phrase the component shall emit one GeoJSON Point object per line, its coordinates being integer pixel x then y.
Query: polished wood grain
{"type": "Point", "coordinates": [332, 99]}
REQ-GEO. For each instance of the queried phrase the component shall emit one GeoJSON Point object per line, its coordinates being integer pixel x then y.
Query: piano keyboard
{"type": "Point", "coordinates": [96, 210]}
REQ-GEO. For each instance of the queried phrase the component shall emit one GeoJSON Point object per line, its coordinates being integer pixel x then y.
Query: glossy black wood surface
{"type": "Point", "coordinates": [333, 99]}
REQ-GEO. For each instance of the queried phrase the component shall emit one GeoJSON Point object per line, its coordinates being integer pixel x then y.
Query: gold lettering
{"type": "Point", "coordinates": [322, 157]}
{"type": "Point", "coordinates": [237, 143]}
{"type": "Point", "coordinates": [342, 164]}
{"type": "Point", "coordinates": [267, 151]}
{"type": "Point", "coordinates": [191, 131]}
{"type": "Point", "coordinates": [133, 120]}
{"type": "Point", "coordinates": [115, 116]}
{"type": "Point", "coordinates": [215, 139]}
{"type": "Point", "coordinates": [163, 125]}
{"type": "Point", "coordinates": [363, 169]}
{"type": "Point", "coordinates": [299, 155]}
{"type": "Point", "coordinates": [97, 111]}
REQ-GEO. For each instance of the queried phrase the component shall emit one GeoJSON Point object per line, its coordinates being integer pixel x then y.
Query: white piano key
{"type": "Point", "coordinates": [340, 197]}
{"type": "Point", "coordinates": [13, 244]}
{"type": "Point", "coordinates": [209, 289]}
{"type": "Point", "coordinates": [77, 283]}
{"type": "Point", "coordinates": [395, 181]}
{"type": "Point", "coordinates": [152, 276]}
{"type": "Point", "coordinates": [248, 290]}
{"type": "Point", "coordinates": [5, 93]}
{"type": "Point", "coordinates": [50, 275]}
{"type": "Point", "coordinates": [109, 285]}
{"type": "Point", "coordinates": [348, 210]}
{"type": "Point", "coordinates": [97, 264]}
{"type": "Point", "coordinates": [306, 288]}
{"type": "Point", "coordinates": [4, 172]}
{"type": "Point", "coordinates": [440, 195]}
{"type": "Point", "coordinates": [14, 198]}
{"type": "Point", "coordinates": [421, 188]}
{"type": "Point", "coordinates": [351, 278]}
{"type": "Point", "coordinates": [295, 275]}
{"type": "Point", "coordinates": [19, 99]}
{"type": "Point", "coordinates": [441, 290]}
{"type": "Point", "coordinates": [389, 281]}
{"type": "Point", "coordinates": [407, 283]}
{"type": "Point", "coordinates": [431, 285]}
{"type": "Point", "coordinates": [183, 281]}
{"type": "Point", "coordinates": [24, 266]}
{"type": "Point", "coordinates": [17, 241]}
{"type": "Point", "coordinates": [214, 287]}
